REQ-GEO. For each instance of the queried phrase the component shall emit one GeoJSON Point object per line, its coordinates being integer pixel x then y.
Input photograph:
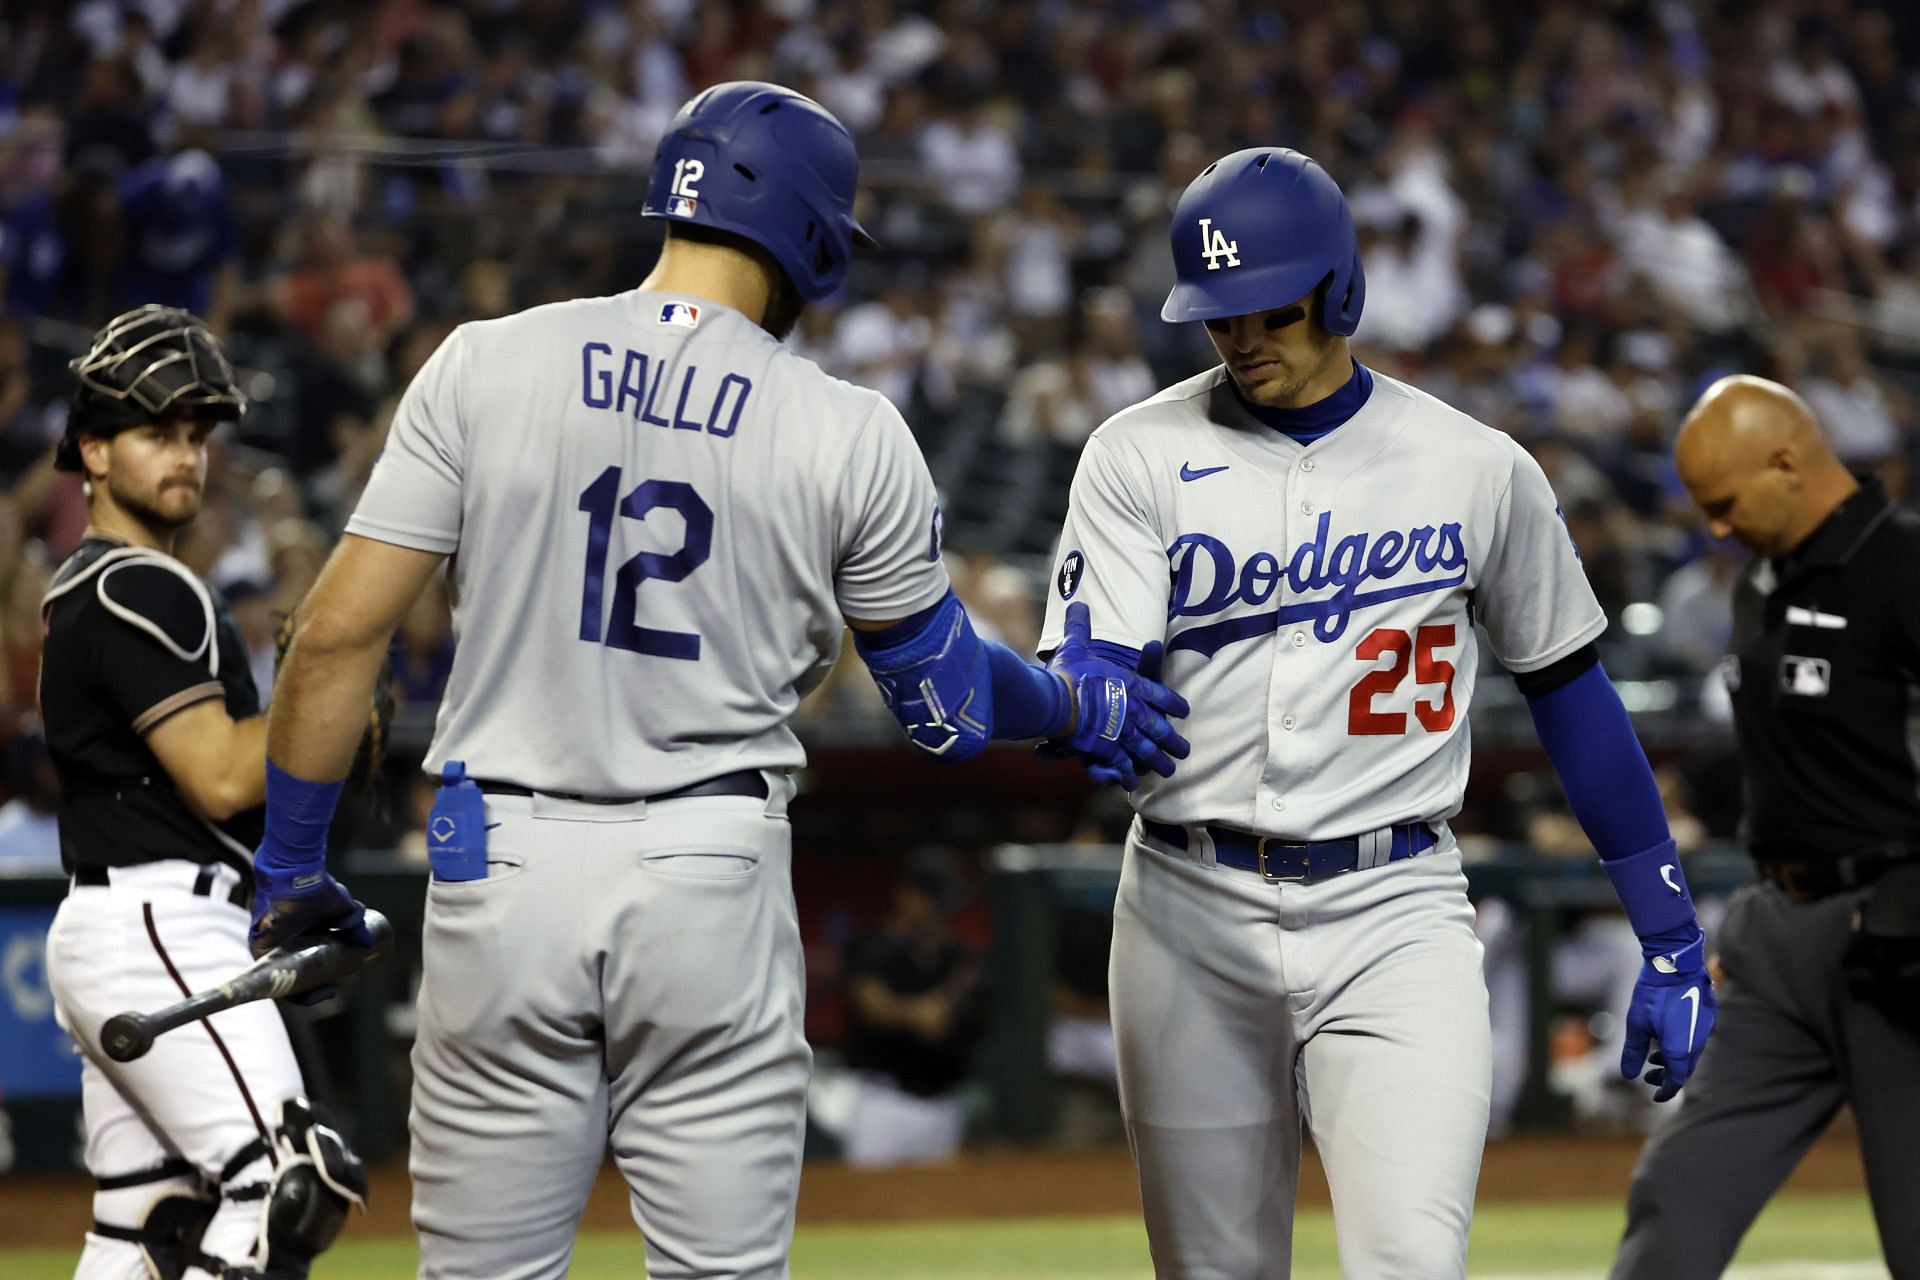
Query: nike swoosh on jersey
{"type": "Point", "coordinates": [1692, 996]}
{"type": "Point", "coordinates": [1188, 473]}
{"type": "Point", "coordinates": [1666, 874]}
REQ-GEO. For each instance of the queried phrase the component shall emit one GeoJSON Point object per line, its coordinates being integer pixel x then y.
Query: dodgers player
{"type": "Point", "coordinates": [659, 517]}
{"type": "Point", "coordinates": [1314, 544]}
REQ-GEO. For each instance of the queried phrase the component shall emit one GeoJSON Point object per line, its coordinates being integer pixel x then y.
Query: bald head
{"type": "Point", "coordinates": [1755, 461]}
{"type": "Point", "coordinates": [1742, 419]}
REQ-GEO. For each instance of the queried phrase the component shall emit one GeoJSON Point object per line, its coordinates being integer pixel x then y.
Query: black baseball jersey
{"type": "Point", "coordinates": [919, 1066]}
{"type": "Point", "coordinates": [132, 636]}
{"type": "Point", "coordinates": [1825, 678]}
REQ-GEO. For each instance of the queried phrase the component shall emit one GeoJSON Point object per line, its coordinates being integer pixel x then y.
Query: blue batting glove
{"type": "Point", "coordinates": [1674, 1007]}
{"type": "Point", "coordinates": [1121, 724]}
{"type": "Point", "coordinates": [294, 899]}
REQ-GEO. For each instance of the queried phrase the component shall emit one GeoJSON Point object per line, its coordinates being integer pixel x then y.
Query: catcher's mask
{"type": "Point", "coordinates": [147, 365]}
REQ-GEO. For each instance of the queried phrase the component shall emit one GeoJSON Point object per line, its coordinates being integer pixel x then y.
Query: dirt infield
{"type": "Point", "coordinates": [52, 1211]}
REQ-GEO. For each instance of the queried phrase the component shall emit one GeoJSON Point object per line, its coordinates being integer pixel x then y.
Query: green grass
{"type": "Point", "coordinates": [1570, 1239]}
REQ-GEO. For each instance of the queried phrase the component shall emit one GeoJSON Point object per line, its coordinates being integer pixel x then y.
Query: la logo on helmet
{"type": "Point", "coordinates": [1214, 246]}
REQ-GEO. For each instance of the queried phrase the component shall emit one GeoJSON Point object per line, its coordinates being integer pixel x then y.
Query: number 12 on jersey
{"type": "Point", "coordinates": [601, 501]}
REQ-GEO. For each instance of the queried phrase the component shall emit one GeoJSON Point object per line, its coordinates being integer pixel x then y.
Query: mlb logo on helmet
{"type": "Point", "coordinates": [684, 314]}
{"type": "Point", "coordinates": [681, 207]}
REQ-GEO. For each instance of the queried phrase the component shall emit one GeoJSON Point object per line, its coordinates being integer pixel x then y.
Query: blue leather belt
{"type": "Point", "coordinates": [1281, 862]}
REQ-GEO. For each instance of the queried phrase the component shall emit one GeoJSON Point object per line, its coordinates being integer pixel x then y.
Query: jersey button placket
{"type": "Point", "coordinates": [1279, 670]}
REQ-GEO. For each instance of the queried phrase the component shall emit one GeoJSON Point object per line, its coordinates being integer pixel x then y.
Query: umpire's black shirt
{"type": "Point", "coordinates": [131, 638]}
{"type": "Point", "coordinates": [1825, 664]}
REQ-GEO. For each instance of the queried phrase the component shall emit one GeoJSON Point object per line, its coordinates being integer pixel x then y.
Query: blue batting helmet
{"type": "Point", "coordinates": [1258, 229]}
{"type": "Point", "coordinates": [768, 164]}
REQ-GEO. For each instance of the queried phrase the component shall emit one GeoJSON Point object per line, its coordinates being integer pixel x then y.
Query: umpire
{"type": "Point", "coordinates": [1821, 1000]}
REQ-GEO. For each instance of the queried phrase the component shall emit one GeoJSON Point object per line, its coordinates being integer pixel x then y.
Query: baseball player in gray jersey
{"type": "Point", "coordinates": [1314, 544]}
{"type": "Point", "coordinates": [659, 520]}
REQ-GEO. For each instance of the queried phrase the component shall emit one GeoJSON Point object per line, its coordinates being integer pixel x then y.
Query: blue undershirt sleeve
{"type": "Point", "coordinates": [1586, 733]}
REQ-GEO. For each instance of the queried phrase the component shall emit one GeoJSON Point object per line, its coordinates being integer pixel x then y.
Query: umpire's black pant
{"type": "Point", "coordinates": [1790, 1047]}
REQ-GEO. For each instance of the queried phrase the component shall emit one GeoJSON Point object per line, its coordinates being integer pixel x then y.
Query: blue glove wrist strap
{"type": "Point", "coordinates": [1653, 889]}
{"type": "Point", "coordinates": [298, 814]}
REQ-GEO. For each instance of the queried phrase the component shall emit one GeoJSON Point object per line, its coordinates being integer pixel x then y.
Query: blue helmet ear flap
{"type": "Point", "coordinates": [1343, 298]}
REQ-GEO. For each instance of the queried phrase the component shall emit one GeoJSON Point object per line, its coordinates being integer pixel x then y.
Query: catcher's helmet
{"type": "Point", "coordinates": [768, 164]}
{"type": "Point", "coordinates": [148, 364]}
{"type": "Point", "coordinates": [1258, 229]}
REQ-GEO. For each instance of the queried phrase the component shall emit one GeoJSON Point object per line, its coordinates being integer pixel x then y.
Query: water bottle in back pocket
{"type": "Point", "coordinates": [457, 827]}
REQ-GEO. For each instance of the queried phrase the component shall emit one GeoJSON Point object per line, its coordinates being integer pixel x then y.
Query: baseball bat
{"type": "Point", "coordinates": [299, 965]}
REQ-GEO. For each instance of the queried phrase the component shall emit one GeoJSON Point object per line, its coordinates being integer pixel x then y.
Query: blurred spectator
{"type": "Point", "coordinates": [914, 1018]}
{"type": "Point", "coordinates": [1000, 599]}
{"type": "Point", "coordinates": [252, 610]}
{"type": "Point", "coordinates": [1033, 246]}
{"type": "Point", "coordinates": [969, 156]}
{"type": "Point", "coordinates": [1696, 609]}
{"type": "Point", "coordinates": [1664, 241]}
{"type": "Point", "coordinates": [423, 648]}
{"type": "Point", "coordinates": [23, 580]}
{"type": "Point", "coordinates": [335, 271]}
{"type": "Point", "coordinates": [62, 247]}
{"type": "Point", "coordinates": [1413, 265]}
{"type": "Point", "coordinates": [182, 241]}
{"type": "Point", "coordinates": [27, 426]}
{"type": "Point", "coordinates": [1865, 416]}
{"type": "Point", "coordinates": [29, 827]}
{"type": "Point", "coordinates": [882, 344]}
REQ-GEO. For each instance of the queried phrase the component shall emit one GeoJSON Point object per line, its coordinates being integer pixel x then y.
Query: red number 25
{"type": "Point", "coordinates": [1417, 650]}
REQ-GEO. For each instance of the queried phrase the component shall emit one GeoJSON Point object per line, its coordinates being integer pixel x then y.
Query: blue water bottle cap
{"type": "Point", "coordinates": [454, 772]}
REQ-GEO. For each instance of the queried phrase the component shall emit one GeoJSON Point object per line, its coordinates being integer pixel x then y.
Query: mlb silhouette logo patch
{"type": "Point", "coordinates": [681, 206]}
{"type": "Point", "coordinates": [684, 314]}
{"type": "Point", "coordinates": [1807, 677]}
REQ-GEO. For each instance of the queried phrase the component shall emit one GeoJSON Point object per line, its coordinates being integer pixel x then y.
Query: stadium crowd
{"type": "Point", "coordinates": [1570, 220]}
{"type": "Point", "coordinates": [1568, 224]}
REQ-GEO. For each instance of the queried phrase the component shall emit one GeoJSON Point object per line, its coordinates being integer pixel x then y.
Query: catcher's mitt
{"type": "Point", "coordinates": [372, 753]}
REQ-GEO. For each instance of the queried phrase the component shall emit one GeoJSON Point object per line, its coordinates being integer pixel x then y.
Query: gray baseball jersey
{"type": "Point", "coordinates": [661, 515]}
{"type": "Point", "coordinates": [1317, 601]}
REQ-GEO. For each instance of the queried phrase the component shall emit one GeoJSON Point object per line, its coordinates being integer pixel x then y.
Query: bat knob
{"type": "Point", "coordinates": [125, 1037]}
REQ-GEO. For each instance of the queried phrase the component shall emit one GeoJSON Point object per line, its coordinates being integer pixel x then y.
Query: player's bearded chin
{"type": "Point", "coordinates": [169, 504]}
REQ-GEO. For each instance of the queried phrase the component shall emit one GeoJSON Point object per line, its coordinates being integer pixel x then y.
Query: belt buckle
{"type": "Point", "coordinates": [1260, 856]}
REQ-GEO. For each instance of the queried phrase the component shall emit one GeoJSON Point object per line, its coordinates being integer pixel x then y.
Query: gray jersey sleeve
{"type": "Point", "coordinates": [413, 497]}
{"type": "Point", "coordinates": [889, 534]}
{"type": "Point", "coordinates": [1534, 596]}
{"type": "Point", "coordinates": [1111, 555]}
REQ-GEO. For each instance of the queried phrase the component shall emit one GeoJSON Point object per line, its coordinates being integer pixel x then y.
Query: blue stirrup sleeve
{"type": "Point", "coordinates": [1586, 733]}
{"type": "Point", "coordinates": [953, 691]}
